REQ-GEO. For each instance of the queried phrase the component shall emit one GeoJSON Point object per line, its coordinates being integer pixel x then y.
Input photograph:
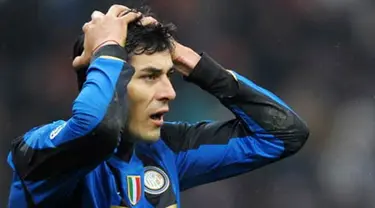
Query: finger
{"type": "Point", "coordinates": [148, 21]}
{"type": "Point", "coordinates": [116, 10]}
{"type": "Point", "coordinates": [131, 16]}
{"type": "Point", "coordinates": [96, 15]}
{"type": "Point", "coordinates": [126, 12]}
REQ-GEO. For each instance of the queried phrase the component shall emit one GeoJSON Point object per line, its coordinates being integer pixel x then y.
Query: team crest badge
{"type": "Point", "coordinates": [134, 189]}
{"type": "Point", "coordinates": [156, 180]}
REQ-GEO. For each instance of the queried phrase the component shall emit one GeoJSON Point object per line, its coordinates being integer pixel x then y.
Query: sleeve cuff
{"type": "Point", "coordinates": [211, 76]}
{"type": "Point", "coordinates": [205, 71]}
{"type": "Point", "coordinates": [115, 51]}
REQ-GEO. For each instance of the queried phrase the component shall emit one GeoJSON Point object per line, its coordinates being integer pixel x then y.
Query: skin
{"type": "Point", "coordinates": [149, 91]}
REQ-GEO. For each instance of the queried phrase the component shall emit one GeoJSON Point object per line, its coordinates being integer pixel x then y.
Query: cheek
{"type": "Point", "coordinates": [134, 92]}
{"type": "Point", "coordinates": [135, 105]}
{"type": "Point", "coordinates": [139, 96]}
{"type": "Point", "coordinates": [138, 91]}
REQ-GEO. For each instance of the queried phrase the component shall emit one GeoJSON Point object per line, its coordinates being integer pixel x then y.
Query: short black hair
{"type": "Point", "coordinates": [140, 39]}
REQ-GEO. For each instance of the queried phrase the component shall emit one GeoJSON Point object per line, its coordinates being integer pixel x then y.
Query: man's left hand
{"type": "Point", "coordinates": [184, 58]}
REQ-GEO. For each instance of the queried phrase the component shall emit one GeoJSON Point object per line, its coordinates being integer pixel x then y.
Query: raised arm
{"type": "Point", "coordinates": [50, 159]}
{"type": "Point", "coordinates": [90, 135]}
{"type": "Point", "coordinates": [265, 129]}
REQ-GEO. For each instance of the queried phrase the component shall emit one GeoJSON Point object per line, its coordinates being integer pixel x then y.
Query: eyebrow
{"type": "Point", "coordinates": [154, 70]}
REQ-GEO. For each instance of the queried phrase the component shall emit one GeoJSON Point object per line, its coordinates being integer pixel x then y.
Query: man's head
{"type": "Point", "coordinates": [150, 90]}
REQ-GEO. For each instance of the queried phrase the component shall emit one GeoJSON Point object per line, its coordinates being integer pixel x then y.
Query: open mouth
{"type": "Point", "coordinates": [157, 116]}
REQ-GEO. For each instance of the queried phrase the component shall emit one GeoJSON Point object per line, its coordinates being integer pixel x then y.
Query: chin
{"type": "Point", "coordinates": [152, 135]}
{"type": "Point", "coordinates": [144, 132]}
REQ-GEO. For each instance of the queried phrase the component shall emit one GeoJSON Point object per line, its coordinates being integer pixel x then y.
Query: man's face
{"type": "Point", "coordinates": [149, 91]}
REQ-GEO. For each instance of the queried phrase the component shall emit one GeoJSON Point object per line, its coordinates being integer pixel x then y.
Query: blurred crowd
{"type": "Point", "coordinates": [317, 55]}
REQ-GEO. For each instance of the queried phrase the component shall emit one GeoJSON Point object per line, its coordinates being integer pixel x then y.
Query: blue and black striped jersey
{"type": "Point", "coordinates": [74, 163]}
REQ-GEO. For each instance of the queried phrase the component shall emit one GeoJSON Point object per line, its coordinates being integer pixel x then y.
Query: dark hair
{"type": "Point", "coordinates": [140, 39]}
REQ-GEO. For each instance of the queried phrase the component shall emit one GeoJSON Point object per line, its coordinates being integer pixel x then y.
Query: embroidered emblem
{"type": "Point", "coordinates": [134, 189]}
{"type": "Point", "coordinates": [156, 180]}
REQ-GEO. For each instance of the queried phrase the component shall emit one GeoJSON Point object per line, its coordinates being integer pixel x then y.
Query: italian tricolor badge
{"type": "Point", "coordinates": [134, 189]}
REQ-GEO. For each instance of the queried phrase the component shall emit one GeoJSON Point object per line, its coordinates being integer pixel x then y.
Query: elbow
{"type": "Point", "coordinates": [303, 133]}
{"type": "Point", "coordinates": [298, 135]}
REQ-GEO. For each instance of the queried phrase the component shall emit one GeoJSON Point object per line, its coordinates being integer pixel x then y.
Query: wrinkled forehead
{"type": "Point", "coordinates": [158, 60]}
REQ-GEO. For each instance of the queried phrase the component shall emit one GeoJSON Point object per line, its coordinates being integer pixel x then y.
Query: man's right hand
{"type": "Point", "coordinates": [105, 29]}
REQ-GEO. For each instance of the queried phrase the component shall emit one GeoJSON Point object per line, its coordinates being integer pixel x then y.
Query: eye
{"type": "Point", "coordinates": [170, 73]}
{"type": "Point", "coordinates": [149, 77]}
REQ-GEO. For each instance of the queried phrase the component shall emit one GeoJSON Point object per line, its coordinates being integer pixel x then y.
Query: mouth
{"type": "Point", "coordinates": [158, 117]}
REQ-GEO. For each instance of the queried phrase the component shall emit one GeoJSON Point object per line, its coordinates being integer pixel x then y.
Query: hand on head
{"type": "Point", "coordinates": [104, 29]}
{"type": "Point", "coordinates": [112, 28]}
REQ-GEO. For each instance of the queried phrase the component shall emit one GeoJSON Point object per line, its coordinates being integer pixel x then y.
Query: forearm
{"type": "Point", "coordinates": [100, 90]}
{"type": "Point", "coordinates": [261, 112]}
{"type": "Point", "coordinates": [265, 129]}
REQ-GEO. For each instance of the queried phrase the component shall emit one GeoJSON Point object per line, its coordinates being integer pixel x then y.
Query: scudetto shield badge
{"type": "Point", "coordinates": [134, 189]}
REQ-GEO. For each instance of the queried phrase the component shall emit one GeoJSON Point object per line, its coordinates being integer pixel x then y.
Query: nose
{"type": "Point", "coordinates": [165, 90]}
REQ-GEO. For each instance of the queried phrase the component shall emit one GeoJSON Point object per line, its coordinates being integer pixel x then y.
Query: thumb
{"type": "Point", "coordinates": [80, 61]}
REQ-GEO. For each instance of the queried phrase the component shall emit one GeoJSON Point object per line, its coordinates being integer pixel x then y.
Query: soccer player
{"type": "Point", "coordinates": [117, 151]}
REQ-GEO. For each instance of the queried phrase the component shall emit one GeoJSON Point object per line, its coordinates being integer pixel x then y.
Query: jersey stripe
{"type": "Point", "coordinates": [138, 182]}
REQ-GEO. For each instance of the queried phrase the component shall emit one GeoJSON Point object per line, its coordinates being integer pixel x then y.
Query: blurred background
{"type": "Point", "coordinates": [317, 55]}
